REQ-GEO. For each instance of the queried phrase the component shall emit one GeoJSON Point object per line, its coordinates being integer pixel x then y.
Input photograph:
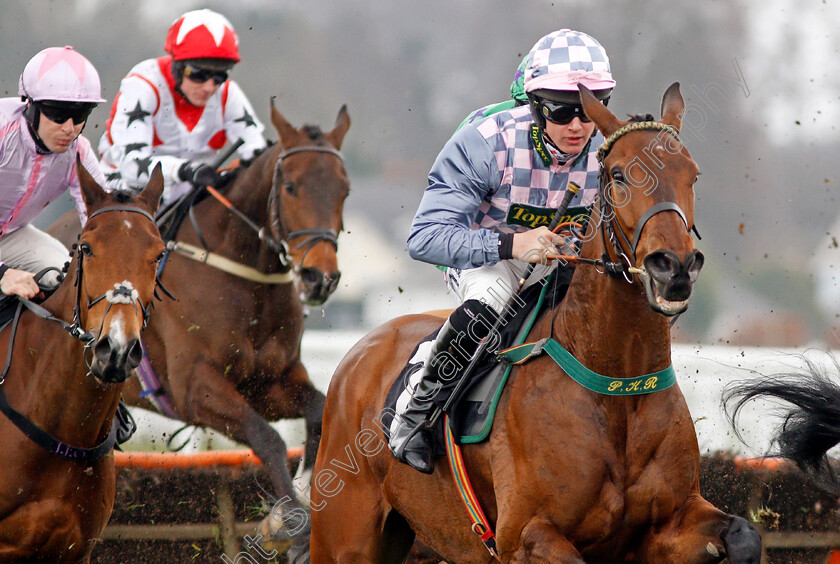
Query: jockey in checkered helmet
{"type": "Point", "coordinates": [557, 63]}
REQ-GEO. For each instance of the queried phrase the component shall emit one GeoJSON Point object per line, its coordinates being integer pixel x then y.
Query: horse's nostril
{"type": "Point", "coordinates": [134, 354]}
{"type": "Point", "coordinates": [663, 266]}
{"type": "Point", "coordinates": [103, 348]}
{"type": "Point", "coordinates": [311, 276]}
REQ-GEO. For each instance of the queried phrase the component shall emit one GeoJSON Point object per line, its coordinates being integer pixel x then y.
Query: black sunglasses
{"type": "Point", "coordinates": [60, 113]}
{"type": "Point", "coordinates": [563, 114]}
{"type": "Point", "coordinates": [198, 74]}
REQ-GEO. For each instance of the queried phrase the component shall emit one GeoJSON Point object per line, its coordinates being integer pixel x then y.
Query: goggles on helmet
{"type": "Point", "coordinates": [60, 112]}
{"type": "Point", "coordinates": [200, 75]}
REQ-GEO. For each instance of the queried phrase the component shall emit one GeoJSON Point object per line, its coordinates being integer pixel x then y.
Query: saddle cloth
{"type": "Point", "coordinates": [472, 413]}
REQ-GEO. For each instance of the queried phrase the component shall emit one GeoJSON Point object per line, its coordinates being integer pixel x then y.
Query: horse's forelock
{"type": "Point", "coordinates": [641, 117]}
{"type": "Point", "coordinates": [124, 196]}
{"type": "Point", "coordinates": [314, 132]}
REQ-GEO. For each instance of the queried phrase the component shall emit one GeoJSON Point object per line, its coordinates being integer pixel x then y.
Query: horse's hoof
{"type": "Point", "coordinates": [282, 526]}
{"type": "Point", "coordinates": [742, 541]}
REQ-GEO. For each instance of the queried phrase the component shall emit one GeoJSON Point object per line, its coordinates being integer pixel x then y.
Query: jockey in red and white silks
{"type": "Point", "coordinates": [154, 119]}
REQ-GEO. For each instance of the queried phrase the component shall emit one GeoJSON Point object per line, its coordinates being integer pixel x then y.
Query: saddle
{"type": "Point", "coordinates": [473, 411]}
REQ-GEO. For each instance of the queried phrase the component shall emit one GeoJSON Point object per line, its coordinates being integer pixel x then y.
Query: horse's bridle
{"type": "Point", "coordinates": [122, 293]}
{"type": "Point", "coordinates": [276, 240]}
{"type": "Point", "coordinates": [312, 236]}
{"type": "Point", "coordinates": [613, 235]}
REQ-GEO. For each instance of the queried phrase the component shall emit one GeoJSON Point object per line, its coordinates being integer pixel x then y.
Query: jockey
{"type": "Point", "coordinates": [40, 138]}
{"type": "Point", "coordinates": [179, 110]}
{"type": "Point", "coordinates": [492, 192]}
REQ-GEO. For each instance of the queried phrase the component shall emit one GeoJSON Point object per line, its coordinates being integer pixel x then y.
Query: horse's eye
{"type": "Point", "coordinates": [159, 257]}
{"type": "Point", "coordinates": [85, 249]}
{"type": "Point", "coordinates": [618, 176]}
{"type": "Point", "coordinates": [290, 188]}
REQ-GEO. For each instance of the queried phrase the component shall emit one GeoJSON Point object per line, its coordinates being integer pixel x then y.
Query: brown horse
{"type": "Point", "coordinates": [567, 475]}
{"type": "Point", "coordinates": [54, 504]}
{"type": "Point", "coordinates": [227, 352]}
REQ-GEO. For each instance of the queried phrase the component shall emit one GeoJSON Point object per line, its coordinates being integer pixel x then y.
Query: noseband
{"type": "Point", "coordinates": [311, 236]}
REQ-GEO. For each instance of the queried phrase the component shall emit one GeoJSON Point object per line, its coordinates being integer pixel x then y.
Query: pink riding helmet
{"type": "Point", "coordinates": [60, 73]}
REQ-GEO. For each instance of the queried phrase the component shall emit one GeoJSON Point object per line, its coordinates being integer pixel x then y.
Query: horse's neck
{"type": "Point", "coordinates": [228, 234]}
{"type": "Point", "coordinates": [48, 369]}
{"type": "Point", "coordinates": [609, 326]}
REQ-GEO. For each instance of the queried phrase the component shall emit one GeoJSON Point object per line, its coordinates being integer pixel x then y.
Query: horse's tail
{"type": "Point", "coordinates": [810, 426]}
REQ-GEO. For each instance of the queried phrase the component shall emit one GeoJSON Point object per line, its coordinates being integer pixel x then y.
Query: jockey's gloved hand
{"type": "Point", "coordinates": [200, 174]}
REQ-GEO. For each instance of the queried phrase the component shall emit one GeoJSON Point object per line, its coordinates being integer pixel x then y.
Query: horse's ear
{"type": "Point", "coordinates": [284, 129]}
{"type": "Point", "coordinates": [92, 192]}
{"type": "Point", "coordinates": [673, 106]}
{"type": "Point", "coordinates": [595, 110]}
{"type": "Point", "coordinates": [342, 124]}
{"type": "Point", "coordinates": [153, 191]}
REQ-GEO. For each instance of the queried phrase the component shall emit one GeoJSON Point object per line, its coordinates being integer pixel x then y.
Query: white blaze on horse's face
{"type": "Point", "coordinates": [117, 330]}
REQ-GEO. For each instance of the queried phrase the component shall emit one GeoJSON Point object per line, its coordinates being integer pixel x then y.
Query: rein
{"type": "Point", "coordinates": [275, 240]}
{"type": "Point", "coordinates": [122, 293]}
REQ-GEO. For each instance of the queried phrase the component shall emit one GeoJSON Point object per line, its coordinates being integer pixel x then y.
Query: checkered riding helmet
{"type": "Point", "coordinates": [202, 34]}
{"type": "Point", "coordinates": [62, 74]}
{"type": "Point", "coordinates": [559, 62]}
{"type": "Point", "coordinates": [563, 59]}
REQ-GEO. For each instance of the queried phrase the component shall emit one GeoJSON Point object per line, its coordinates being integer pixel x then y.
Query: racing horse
{"type": "Point", "coordinates": [227, 351]}
{"type": "Point", "coordinates": [567, 475]}
{"type": "Point", "coordinates": [59, 392]}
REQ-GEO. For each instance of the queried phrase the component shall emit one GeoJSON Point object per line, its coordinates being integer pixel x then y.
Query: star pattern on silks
{"type": "Point", "coordinates": [138, 113]}
{"type": "Point", "coordinates": [111, 176]}
{"type": "Point", "coordinates": [143, 165]}
{"type": "Point", "coordinates": [246, 119]}
{"type": "Point", "coordinates": [134, 147]}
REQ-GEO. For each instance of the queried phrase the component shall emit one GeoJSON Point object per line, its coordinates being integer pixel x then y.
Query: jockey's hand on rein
{"type": "Point", "coordinates": [19, 283]}
{"type": "Point", "coordinates": [533, 245]}
{"type": "Point", "coordinates": [200, 174]}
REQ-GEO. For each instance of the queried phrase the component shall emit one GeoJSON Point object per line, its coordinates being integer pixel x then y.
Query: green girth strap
{"type": "Point", "coordinates": [590, 380]}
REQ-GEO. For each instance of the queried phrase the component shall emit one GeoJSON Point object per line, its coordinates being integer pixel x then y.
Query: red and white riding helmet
{"type": "Point", "coordinates": [60, 73]}
{"type": "Point", "coordinates": [202, 34]}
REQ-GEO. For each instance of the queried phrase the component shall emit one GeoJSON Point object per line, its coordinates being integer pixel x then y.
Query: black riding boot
{"type": "Point", "coordinates": [411, 441]}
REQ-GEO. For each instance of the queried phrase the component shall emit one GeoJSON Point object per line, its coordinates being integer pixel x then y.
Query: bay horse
{"type": "Point", "coordinates": [63, 389]}
{"type": "Point", "coordinates": [567, 475]}
{"type": "Point", "coordinates": [227, 351]}
{"type": "Point", "coordinates": [810, 416]}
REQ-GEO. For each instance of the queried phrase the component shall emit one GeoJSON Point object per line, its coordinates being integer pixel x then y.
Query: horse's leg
{"type": "Point", "coordinates": [212, 400]}
{"type": "Point", "coordinates": [292, 397]}
{"type": "Point", "coordinates": [541, 542]}
{"type": "Point", "coordinates": [699, 533]}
